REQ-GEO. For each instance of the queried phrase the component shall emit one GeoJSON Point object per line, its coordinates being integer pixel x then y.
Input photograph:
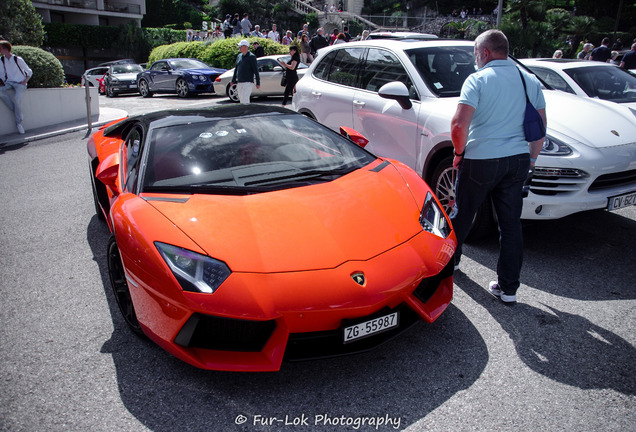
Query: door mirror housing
{"type": "Point", "coordinates": [108, 172]}
{"type": "Point", "coordinates": [397, 91]}
{"type": "Point", "coordinates": [354, 136]}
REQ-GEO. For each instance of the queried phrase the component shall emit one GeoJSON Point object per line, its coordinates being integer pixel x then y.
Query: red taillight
{"type": "Point", "coordinates": [218, 79]}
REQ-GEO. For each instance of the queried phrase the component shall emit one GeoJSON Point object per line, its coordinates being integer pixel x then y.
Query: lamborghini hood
{"type": "Point", "coordinates": [355, 217]}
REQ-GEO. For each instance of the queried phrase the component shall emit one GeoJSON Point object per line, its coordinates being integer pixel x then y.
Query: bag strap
{"type": "Point", "coordinates": [15, 57]}
{"type": "Point", "coordinates": [525, 90]}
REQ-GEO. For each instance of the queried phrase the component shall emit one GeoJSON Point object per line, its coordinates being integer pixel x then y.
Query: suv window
{"type": "Point", "coordinates": [552, 79]}
{"type": "Point", "coordinates": [345, 66]}
{"type": "Point", "coordinates": [443, 69]}
{"type": "Point", "coordinates": [383, 67]}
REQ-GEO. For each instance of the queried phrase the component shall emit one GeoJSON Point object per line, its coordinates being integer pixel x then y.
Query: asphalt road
{"type": "Point", "coordinates": [562, 359]}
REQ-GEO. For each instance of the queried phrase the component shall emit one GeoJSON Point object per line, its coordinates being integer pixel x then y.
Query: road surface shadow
{"type": "Point", "coordinates": [402, 380]}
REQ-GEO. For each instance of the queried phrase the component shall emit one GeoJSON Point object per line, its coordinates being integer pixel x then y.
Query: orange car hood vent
{"type": "Point", "coordinates": [355, 217]}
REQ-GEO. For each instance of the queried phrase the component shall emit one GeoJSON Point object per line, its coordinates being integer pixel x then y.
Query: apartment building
{"type": "Point", "coordinates": [91, 12]}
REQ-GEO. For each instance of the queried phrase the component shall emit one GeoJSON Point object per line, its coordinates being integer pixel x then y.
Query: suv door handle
{"type": "Point", "coordinates": [358, 103]}
{"type": "Point", "coordinates": [317, 94]}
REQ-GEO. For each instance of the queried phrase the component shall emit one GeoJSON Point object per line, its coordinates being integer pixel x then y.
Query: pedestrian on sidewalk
{"type": "Point", "coordinates": [14, 75]}
{"type": "Point", "coordinates": [245, 72]}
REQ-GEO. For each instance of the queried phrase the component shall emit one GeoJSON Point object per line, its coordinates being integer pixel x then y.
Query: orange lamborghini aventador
{"type": "Point", "coordinates": [245, 235]}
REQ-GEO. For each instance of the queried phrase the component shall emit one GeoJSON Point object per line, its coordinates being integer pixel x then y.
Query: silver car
{"type": "Point", "coordinates": [402, 95]}
{"type": "Point", "coordinates": [270, 71]}
{"type": "Point", "coordinates": [92, 75]}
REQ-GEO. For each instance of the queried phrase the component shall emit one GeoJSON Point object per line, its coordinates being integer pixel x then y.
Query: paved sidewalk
{"type": "Point", "coordinates": [106, 115]}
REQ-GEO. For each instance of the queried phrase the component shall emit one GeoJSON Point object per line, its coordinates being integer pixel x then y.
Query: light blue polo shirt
{"type": "Point", "coordinates": [496, 93]}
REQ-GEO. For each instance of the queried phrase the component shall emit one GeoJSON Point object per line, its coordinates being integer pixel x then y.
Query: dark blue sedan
{"type": "Point", "coordinates": [183, 76]}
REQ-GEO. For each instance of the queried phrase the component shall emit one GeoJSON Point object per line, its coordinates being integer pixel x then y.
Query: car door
{"type": "Point", "coordinates": [270, 78]}
{"type": "Point", "coordinates": [392, 131]}
{"type": "Point", "coordinates": [159, 75]}
{"type": "Point", "coordinates": [334, 86]}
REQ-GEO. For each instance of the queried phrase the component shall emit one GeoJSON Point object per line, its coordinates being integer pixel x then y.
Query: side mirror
{"type": "Point", "coordinates": [108, 171]}
{"type": "Point", "coordinates": [354, 136]}
{"type": "Point", "coordinates": [397, 91]}
{"type": "Point", "coordinates": [278, 68]}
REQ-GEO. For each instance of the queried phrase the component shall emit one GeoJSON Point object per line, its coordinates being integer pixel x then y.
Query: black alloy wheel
{"type": "Point", "coordinates": [120, 286]}
{"type": "Point", "coordinates": [144, 88]}
{"type": "Point", "coordinates": [182, 88]}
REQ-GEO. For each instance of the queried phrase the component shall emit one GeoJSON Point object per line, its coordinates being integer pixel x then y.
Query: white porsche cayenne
{"type": "Point", "coordinates": [402, 95]}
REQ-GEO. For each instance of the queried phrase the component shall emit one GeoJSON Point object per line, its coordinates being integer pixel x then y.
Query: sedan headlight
{"type": "Point", "coordinates": [553, 147]}
{"type": "Point", "coordinates": [433, 219]}
{"type": "Point", "coordinates": [195, 272]}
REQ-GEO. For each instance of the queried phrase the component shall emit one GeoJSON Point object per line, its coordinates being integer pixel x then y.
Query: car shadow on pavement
{"type": "Point", "coordinates": [587, 256]}
{"type": "Point", "coordinates": [399, 382]}
{"type": "Point", "coordinates": [565, 347]}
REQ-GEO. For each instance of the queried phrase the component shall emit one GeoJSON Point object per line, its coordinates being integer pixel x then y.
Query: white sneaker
{"type": "Point", "coordinates": [494, 289]}
{"type": "Point", "coordinates": [20, 128]}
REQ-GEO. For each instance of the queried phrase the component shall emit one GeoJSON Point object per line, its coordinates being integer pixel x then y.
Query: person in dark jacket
{"type": "Point", "coordinates": [245, 72]}
{"type": "Point", "coordinates": [290, 70]}
{"type": "Point", "coordinates": [318, 41]}
{"type": "Point", "coordinates": [259, 51]}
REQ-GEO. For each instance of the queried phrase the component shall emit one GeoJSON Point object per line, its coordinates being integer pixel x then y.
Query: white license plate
{"type": "Point", "coordinates": [133, 86]}
{"type": "Point", "coordinates": [621, 201]}
{"type": "Point", "coordinates": [368, 328]}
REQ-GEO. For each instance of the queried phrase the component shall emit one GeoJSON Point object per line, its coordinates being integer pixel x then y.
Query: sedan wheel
{"type": "Point", "coordinates": [120, 286]}
{"type": "Point", "coordinates": [232, 92]}
{"type": "Point", "coordinates": [182, 88]}
{"type": "Point", "coordinates": [444, 180]}
{"type": "Point", "coordinates": [144, 89]}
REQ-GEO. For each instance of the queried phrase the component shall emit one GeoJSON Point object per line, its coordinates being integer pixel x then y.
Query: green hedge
{"type": "Point", "coordinates": [47, 70]}
{"type": "Point", "coordinates": [221, 53]}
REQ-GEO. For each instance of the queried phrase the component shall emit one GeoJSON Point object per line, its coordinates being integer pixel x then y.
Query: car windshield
{"type": "Point", "coordinates": [445, 68]}
{"type": "Point", "coordinates": [127, 68]}
{"type": "Point", "coordinates": [188, 64]}
{"type": "Point", "coordinates": [608, 83]}
{"type": "Point", "coordinates": [247, 155]}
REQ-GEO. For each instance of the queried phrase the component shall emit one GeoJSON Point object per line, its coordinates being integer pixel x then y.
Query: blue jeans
{"type": "Point", "coordinates": [501, 179]}
{"type": "Point", "coordinates": [14, 104]}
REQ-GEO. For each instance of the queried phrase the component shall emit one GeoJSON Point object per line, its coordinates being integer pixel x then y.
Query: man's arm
{"type": "Point", "coordinates": [536, 146]}
{"type": "Point", "coordinates": [459, 130]}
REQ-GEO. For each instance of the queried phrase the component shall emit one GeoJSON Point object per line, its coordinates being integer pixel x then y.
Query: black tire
{"type": "Point", "coordinates": [120, 287]}
{"type": "Point", "coordinates": [110, 92]}
{"type": "Point", "coordinates": [182, 88]}
{"type": "Point", "coordinates": [144, 89]}
{"type": "Point", "coordinates": [443, 185]}
{"type": "Point", "coordinates": [232, 93]}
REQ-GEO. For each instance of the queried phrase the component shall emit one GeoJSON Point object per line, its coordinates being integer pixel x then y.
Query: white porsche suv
{"type": "Point", "coordinates": [402, 95]}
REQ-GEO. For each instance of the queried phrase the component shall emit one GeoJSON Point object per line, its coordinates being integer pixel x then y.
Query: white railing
{"type": "Point", "coordinates": [305, 8]}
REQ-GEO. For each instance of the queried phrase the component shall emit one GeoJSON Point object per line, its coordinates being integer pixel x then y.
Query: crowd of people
{"type": "Point", "coordinates": [604, 53]}
{"type": "Point", "coordinates": [308, 43]}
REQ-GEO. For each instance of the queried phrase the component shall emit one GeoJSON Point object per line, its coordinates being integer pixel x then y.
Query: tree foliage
{"type": "Point", "coordinates": [20, 24]}
{"type": "Point", "coordinates": [47, 70]}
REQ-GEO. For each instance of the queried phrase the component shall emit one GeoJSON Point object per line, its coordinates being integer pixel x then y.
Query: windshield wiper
{"type": "Point", "coordinates": [303, 175]}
